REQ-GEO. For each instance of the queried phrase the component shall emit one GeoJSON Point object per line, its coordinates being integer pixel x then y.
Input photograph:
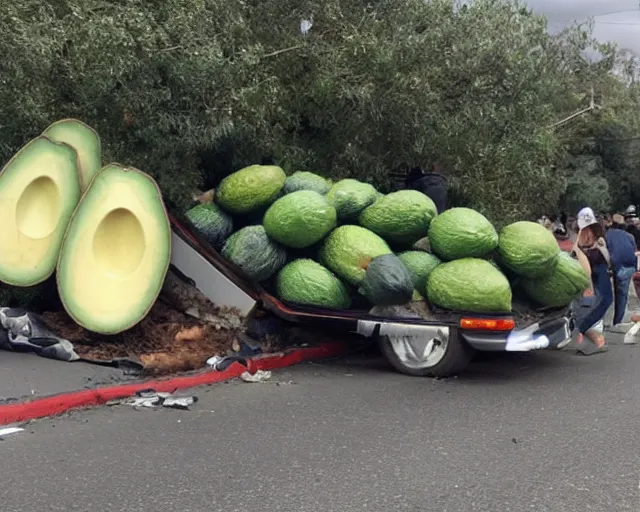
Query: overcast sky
{"type": "Point", "coordinates": [615, 20]}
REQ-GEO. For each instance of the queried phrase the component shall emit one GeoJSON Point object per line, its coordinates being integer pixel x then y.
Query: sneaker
{"type": "Point", "coordinates": [631, 338]}
{"type": "Point", "coordinates": [620, 328]}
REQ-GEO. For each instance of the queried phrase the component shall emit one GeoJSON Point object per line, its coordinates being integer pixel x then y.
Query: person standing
{"type": "Point", "coordinates": [632, 228]}
{"type": "Point", "coordinates": [593, 255]}
{"type": "Point", "coordinates": [622, 249]}
{"type": "Point", "coordinates": [433, 184]}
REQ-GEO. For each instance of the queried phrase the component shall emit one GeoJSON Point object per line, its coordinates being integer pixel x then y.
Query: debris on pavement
{"type": "Point", "coordinates": [153, 399]}
{"type": "Point", "coordinates": [22, 331]}
{"type": "Point", "coordinates": [241, 349]}
{"type": "Point", "coordinates": [8, 431]}
{"type": "Point", "coordinates": [259, 376]}
{"type": "Point", "coordinates": [166, 341]}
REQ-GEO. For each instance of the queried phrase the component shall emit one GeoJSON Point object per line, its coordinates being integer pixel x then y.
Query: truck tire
{"type": "Point", "coordinates": [455, 355]}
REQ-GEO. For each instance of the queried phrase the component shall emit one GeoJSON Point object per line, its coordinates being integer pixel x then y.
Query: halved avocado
{"type": "Point", "coordinates": [85, 141]}
{"type": "Point", "coordinates": [39, 190]}
{"type": "Point", "coordinates": [116, 251]}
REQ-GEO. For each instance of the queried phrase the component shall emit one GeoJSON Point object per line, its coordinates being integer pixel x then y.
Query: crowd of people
{"type": "Point", "coordinates": [607, 248]}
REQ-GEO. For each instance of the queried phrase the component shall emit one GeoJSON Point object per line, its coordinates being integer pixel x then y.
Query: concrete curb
{"type": "Point", "coordinates": [58, 404]}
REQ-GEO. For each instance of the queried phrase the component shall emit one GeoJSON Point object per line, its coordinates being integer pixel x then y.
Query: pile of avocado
{"type": "Point", "coordinates": [103, 230]}
{"type": "Point", "coordinates": [339, 245]}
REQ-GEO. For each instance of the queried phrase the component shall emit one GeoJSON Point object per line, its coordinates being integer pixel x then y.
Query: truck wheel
{"type": "Point", "coordinates": [442, 356]}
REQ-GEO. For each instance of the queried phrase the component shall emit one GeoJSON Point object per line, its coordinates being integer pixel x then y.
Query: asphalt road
{"type": "Point", "coordinates": [530, 432]}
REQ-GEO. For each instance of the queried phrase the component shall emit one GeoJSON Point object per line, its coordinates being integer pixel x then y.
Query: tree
{"type": "Point", "coordinates": [180, 87]}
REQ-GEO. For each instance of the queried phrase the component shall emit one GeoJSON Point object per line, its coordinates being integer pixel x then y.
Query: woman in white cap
{"type": "Point", "coordinates": [592, 253]}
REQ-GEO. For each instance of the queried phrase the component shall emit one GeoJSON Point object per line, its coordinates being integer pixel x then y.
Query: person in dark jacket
{"type": "Point", "coordinates": [622, 249]}
{"type": "Point", "coordinates": [632, 228]}
{"type": "Point", "coordinates": [432, 184]}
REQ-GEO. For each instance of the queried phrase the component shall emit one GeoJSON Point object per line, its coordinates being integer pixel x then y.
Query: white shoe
{"type": "Point", "coordinates": [630, 338]}
{"type": "Point", "coordinates": [620, 328]}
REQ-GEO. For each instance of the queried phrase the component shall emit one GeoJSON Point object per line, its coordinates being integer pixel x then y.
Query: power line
{"type": "Point", "coordinates": [615, 23]}
{"type": "Point", "coordinates": [599, 16]}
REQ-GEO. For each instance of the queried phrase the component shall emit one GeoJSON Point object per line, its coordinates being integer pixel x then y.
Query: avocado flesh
{"type": "Point", "coordinates": [116, 251]}
{"type": "Point", "coordinates": [85, 141]}
{"type": "Point", "coordinates": [39, 191]}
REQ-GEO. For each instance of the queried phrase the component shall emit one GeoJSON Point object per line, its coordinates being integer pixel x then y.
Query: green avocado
{"type": "Point", "coordinates": [400, 217]}
{"type": "Point", "coordinates": [422, 245]}
{"type": "Point", "coordinates": [349, 197]}
{"type": "Point", "coordinates": [250, 189]}
{"type": "Point", "coordinates": [528, 249]}
{"type": "Point", "coordinates": [308, 283]}
{"type": "Point", "coordinates": [462, 233]}
{"type": "Point", "coordinates": [348, 251]}
{"type": "Point", "coordinates": [300, 219]}
{"type": "Point", "coordinates": [305, 180]}
{"type": "Point", "coordinates": [116, 251]}
{"type": "Point", "coordinates": [85, 141]}
{"type": "Point", "coordinates": [251, 250]}
{"type": "Point", "coordinates": [420, 264]}
{"type": "Point", "coordinates": [39, 191]}
{"type": "Point", "coordinates": [212, 223]}
{"type": "Point", "coordinates": [469, 285]}
{"type": "Point", "coordinates": [567, 281]}
{"type": "Point", "coordinates": [387, 282]}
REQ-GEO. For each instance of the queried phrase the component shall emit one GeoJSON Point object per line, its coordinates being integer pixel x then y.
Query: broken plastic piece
{"type": "Point", "coordinates": [154, 399]}
{"type": "Point", "coordinates": [9, 431]}
{"type": "Point", "coordinates": [259, 376]}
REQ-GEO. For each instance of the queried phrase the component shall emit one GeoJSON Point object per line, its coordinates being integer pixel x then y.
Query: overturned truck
{"type": "Point", "coordinates": [418, 339]}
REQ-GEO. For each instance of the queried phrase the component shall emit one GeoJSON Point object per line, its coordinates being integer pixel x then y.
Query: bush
{"type": "Point", "coordinates": [176, 87]}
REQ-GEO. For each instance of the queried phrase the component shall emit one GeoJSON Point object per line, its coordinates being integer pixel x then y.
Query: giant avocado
{"type": "Point", "coordinates": [85, 141]}
{"type": "Point", "coordinates": [565, 283]}
{"type": "Point", "coordinates": [39, 190]}
{"type": "Point", "coordinates": [420, 264]}
{"type": "Point", "coordinates": [305, 180]}
{"type": "Point", "coordinates": [349, 197]}
{"type": "Point", "coordinates": [116, 251]}
{"type": "Point", "coordinates": [462, 233]}
{"type": "Point", "coordinates": [469, 285]}
{"type": "Point", "coordinates": [400, 217]}
{"type": "Point", "coordinates": [528, 249]}
{"type": "Point", "coordinates": [300, 219]}
{"type": "Point", "coordinates": [250, 189]}
{"type": "Point", "coordinates": [212, 223]}
{"type": "Point", "coordinates": [253, 252]}
{"type": "Point", "coordinates": [348, 250]}
{"type": "Point", "coordinates": [306, 282]}
{"type": "Point", "coordinates": [387, 282]}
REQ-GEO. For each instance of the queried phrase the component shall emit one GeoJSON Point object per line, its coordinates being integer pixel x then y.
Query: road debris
{"type": "Point", "coordinates": [8, 431]}
{"type": "Point", "coordinates": [153, 399]}
{"type": "Point", "coordinates": [259, 376]}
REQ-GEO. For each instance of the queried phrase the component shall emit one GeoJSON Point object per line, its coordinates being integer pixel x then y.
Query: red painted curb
{"type": "Point", "coordinates": [57, 404]}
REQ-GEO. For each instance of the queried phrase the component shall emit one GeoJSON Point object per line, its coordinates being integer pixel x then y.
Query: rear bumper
{"type": "Point", "coordinates": [549, 334]}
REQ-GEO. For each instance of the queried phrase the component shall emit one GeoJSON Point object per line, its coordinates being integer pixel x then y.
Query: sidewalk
{"type": "Point", "coordinates": [30, 376]}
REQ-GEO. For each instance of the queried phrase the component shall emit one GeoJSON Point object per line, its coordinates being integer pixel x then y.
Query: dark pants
{"type": "Point", "coordinates": [621, 281]}
{"type": "Point", "coordinates": [603, 298]}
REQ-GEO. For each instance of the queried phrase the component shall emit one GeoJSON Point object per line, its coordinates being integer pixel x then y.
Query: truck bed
{"type": "Point", "coordinates": [416, 313]}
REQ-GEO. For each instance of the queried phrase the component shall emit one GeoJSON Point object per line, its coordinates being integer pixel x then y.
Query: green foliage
{"type": "Point", "coordinates": [39, 298]}
{"type": "Point", "coordinates": [180, 87]}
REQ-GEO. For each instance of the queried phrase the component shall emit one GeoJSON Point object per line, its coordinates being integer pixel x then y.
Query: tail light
{"type": "Point", "coordinates": [487, 324]}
